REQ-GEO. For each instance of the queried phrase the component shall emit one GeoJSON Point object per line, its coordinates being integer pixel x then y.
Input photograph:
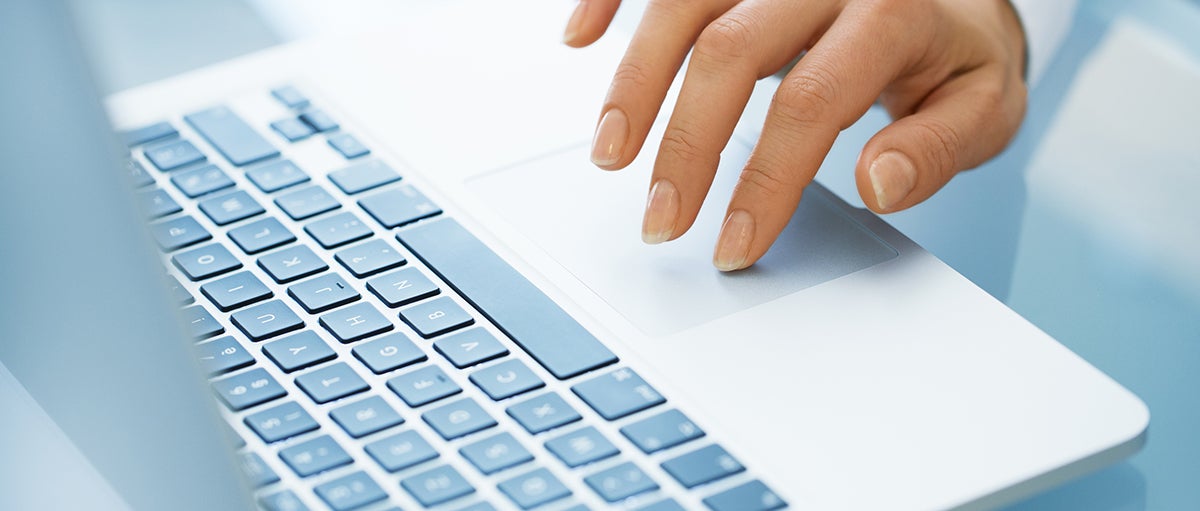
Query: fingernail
{"type": "Point", "coordinates": [575, 22]}
{"type": "Point", "coordinates": [733, 246]}
{"type": "Point", "coordinates": [662, 211]}
{"type": "Point", "coordinates": [610, 138]}
{"type": "Point", "coordinates": [893, 177]}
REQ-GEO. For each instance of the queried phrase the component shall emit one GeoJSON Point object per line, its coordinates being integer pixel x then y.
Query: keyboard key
{"type": "Point", "coordinates": [253, 387]}
{"type": "Point", "coordinates": [470, 347]}
{"type": "Point", "coordinates": [178, 233]}
{"type": "Point", "coordinates": [179, 294]}
{"type": "Point", "coordinates": [200, 323]}
{"type": "Point", "coordinates": [662, 431]}
{"type": "Point", "coordinates": [223, 355]}
{"type": "Point", "coordinates": [285, 500]}
{"type": "Point", "coordinates": [299, 351]}
{"type": "Point", "coordinates": [261, 235]}
{"type": "Point", "coordinates": [323, 293]}
{"type": "Point", "coordinates": [235, 291]}
{"type": "Point", "coordinates": [438, 485]}
{"type": "Point", "coordinates": [230, 207]}
{"type": "Point", "coordinates": [157, 203]}
{"type": "Point", "coordinates": [231, 136]}
{"type": "Point", "coordinates": [663, 505]}
{"type": "Point", "coordinates": [543, 413]}
{"type": "Point", "coordinates": [423, 386]}
{"type": "Point", "coordinates": [521, 310]}
{"type": "Point", "coordinates": [290, 96]}
{"type": "Point", "coordinates": [257, 472]}
{"type": "Point", "coordinates": [138, 177]}
{"type": "Point", "coordinates": [331, 382]}
{"type": "Point", "coordinates": [316, 455]}
{"type": "Point", "coordinates": [458, 419]}
{"type": "Point", "coordinates": [147, 134]}
{"type": "Point", "coordinates": [436, 317]}
{"type": "Point", "coordinates": [306, 202]}
{"type": "Point", "coordinates": [506, 379]}
{"type": "Point", "coordinates": [319, 120]}
{"type": "Point", "coordinates": [365, 417]}
{"type": "Point", "coordinates": [399, 206]}
{"type": "Point", "coordinates": [266, 320]}
{"type": "Point", "coordinates": [355, 322]}
{"type": "Point", "coordinates": [402, 287]}
{"type": "Point", "coordinates": [275, 176]}
{"type": "Point", "coordinates": [581, 447]}
{"type": "Point", "coordinates": [751, 496]}
{"type": "Point", "coordinates": [369, 258]}
{"type": "Point", "coordinates": [620, 482]}
{"type": "Point", "coordinates": [173, 155]}
{"type": "Point", "coordinates": [348, 145]}
{"type": "Point", "coordinates": [702, 466]}
{"type": "Point", "coordinates": [496, 453]}
{"type": "Point", "coordinates": [534, 489]}
{"type": "Point", "coordinates": [617, 394]}
{"type": "Point", "coordinates": [401, 451]}
{"type": "Point", "coordinates": [292, 263]}
{"type": "Point", "coordinates": [350, 492]}
{"type": "Point", "coordinates": [363, 176]}
{"type": "Point", "coordinates": [293, 129]}
{"type": "Point", "coordinates": [337, 230]}
{"type": "Point", "coordinates": [479, 506]}
{"type": "Point", "coordinates": [201, 180]}
{"type": "Point", "coordinates": [389, 353]}
{"type": "Point", "coordinates": [205, 261]}
{"type": "Point", "coordinates": [280, 422]}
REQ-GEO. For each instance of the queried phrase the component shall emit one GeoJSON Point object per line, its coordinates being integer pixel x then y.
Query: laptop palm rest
{"type": "Point", "coordinates": [589, 221]}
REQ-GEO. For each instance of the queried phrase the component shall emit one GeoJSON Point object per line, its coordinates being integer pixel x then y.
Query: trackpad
{"type": "Point", "coordinates": [590, 222]}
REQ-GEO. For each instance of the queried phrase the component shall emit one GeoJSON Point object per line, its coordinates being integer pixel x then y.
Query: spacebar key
{"type": "Point", "coordinates": [522, 311]}
{"type": "Point", "coordinates": [235, 139]}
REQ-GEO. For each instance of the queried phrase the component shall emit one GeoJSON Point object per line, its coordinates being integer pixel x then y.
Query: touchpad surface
{"type": "Point", "coordinates": [589, 221]}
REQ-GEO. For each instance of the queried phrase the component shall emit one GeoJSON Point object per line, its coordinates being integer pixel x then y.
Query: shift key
{"type": "Point", "coordinates": [231, 136]}
{"type": "Point", "coordinates": [535, 323]}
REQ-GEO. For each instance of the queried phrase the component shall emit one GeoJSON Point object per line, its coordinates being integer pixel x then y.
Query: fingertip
{"type": "Point", "coordinates": [892, 177]}
{"type": "Point", "coordinates": [588, 22]}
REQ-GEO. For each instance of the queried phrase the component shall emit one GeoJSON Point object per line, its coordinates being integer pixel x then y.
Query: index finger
{"type": "Point", "coordinates": [832, 86]}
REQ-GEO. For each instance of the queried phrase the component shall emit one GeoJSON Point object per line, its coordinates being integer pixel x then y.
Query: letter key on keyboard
{"type": "Point", "coordinates": [458, 419]}
{"type": "Point", "coordinates": [389, 353]}
{"type": "Point", "coordinates": [355, 322]}
{"type": "Point", "coordinates": [581, 447]}
{"type": "Point", "coordinates": [298, 351]}
{"type": "Point", "coordinates": [436, 317]}
{"type": "Point", "coordinates": [266, 320]}
{"type": "Point", "coordinates": [470, 347]}
{"type": "Point", "coordinates": [331, 382]}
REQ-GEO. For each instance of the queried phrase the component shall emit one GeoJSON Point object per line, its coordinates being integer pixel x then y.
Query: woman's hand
{"type": "Point", "coordinates": [948, 71]}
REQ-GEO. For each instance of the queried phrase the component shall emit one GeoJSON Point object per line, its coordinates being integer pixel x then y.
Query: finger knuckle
{"type": "Point", "coordinates": [728, 39]}
{"type": "Point", "coordinates": [941, 147]}
{"type": "Point", "coordinates": [632, 74]}
{"type": "Point", "coordinates": [759, 181]}
{"type": "Point", "coordinates": [680, 143]}
{"type": "Point", "coordinates": [806, 97]}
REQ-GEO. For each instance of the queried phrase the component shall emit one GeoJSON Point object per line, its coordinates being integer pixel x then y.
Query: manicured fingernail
{"type": "Point", "coordinates": [733, 246]}
{"type": "Point", "coordinates": [575, 22]}
{"type": "Point", "coordinates": [893, 176]}
{"type": "Point", "coordinates": [662, 211]}
{"type": "Point", "coordinates": [610, 138]}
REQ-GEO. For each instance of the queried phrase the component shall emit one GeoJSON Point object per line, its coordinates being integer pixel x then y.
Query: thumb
{"type": "Point", "coordinates": [959, 126]}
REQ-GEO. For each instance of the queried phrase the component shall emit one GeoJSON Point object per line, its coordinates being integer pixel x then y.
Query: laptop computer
{"type": "Point", "coordinates": [406, 287]}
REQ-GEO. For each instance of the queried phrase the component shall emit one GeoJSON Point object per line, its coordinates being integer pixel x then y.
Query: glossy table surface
{"type": "Point", "coordinates": [1086, 225]}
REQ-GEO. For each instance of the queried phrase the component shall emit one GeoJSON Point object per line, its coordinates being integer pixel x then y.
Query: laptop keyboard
{"type": "Point", "coordinates": [370, 352]}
